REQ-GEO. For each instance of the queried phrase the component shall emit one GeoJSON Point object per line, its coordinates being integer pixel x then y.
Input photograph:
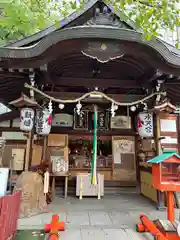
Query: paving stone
{"type": "Point", "coordinates": [71, 234]}
{"type": "Point", "coordinates": [78, 218]}
{"type": "Point", "coordinates": [99, 218]}
{"type": "Point", "coordinates": [120, 219]}
{"type": "Point", "coordinates": [39, 220]}
{"type": "Point", "coordinates": [119, 234]}
{"type": "Point", "coordinates": [133, 235]}
{"type": "Point", "coordinates": [104, 234]}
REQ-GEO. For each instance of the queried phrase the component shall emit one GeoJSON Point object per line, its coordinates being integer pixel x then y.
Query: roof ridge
{"type": "Point", "coordinates": [72, 16]}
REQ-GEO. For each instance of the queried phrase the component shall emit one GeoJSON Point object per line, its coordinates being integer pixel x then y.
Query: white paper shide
{"type": "Point", "coordinates": [43, 122]}
{"type": "Point", "coordinates": [26, 119]}
{"type": "Point", "coordinates": [145, 124]}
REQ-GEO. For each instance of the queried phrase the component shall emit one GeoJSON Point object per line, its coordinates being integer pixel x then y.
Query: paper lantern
{"type": "Point", "coordinates": [145, 124]}
{"type": "Point", "coordinates": [43, 122]}
{"type": "Point", "coordinates": [26, 119]}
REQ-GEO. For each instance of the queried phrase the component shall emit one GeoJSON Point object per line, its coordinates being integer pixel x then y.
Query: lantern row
{"type": "Point", "coordinates": [42, 120]}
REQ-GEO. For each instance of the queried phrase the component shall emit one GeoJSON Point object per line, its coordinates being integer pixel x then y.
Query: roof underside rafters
{"type": "Point", "coordinates": [60, 66]}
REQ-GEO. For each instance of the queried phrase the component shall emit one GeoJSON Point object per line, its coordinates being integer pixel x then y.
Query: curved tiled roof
{"type": "Point", "coordinates": [35, 44]}
{"type": "Point", "coordinates": [90, 32]}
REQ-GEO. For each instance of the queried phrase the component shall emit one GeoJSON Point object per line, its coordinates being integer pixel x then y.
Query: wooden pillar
{"type": "Point", "coordinates": [28, 150]}
{"type": "Point", "coordinates": [44, 148]}
{"type": "Point", "coordinates": [170, 206]}
{"type": "Point", "coordinates": [178, 130]}
{"type": "Point", "coordinates": [160, 205]}
{"type": "Point", "coordinates": [158, 135]}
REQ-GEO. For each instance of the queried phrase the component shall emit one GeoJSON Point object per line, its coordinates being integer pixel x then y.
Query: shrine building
{"type": "Point", "coordinates": [134, 84]}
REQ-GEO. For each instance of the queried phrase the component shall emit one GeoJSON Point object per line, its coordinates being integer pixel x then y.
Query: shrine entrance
{"type": "Point", "coordinates": [89, 62]}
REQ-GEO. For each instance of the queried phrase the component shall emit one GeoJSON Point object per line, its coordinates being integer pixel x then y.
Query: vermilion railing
{"type": "Point", "coordinates": [9, 213]}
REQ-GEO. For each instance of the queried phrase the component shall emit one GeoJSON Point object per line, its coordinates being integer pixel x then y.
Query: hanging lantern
{"type": "Point", "coordinates": [26, 119]}
{"type": "Point", "coordinates": [145, 124]}
{"type": "Point", "coordinates": [43, 122]}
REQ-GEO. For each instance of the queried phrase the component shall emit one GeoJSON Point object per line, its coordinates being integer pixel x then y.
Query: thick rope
{"type": "Point", "coordinates": [93, 93]}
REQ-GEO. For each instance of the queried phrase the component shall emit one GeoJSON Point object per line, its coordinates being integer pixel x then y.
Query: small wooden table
{"type": "Point", "coordinates": [54, 176]}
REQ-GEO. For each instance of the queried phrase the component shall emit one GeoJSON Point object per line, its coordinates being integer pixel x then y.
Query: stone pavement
{"type": "Point", "coordinates": [89, 218]}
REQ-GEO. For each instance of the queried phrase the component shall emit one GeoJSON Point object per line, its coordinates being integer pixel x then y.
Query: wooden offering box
{"type": "Point", "coordinates": [166, 172]}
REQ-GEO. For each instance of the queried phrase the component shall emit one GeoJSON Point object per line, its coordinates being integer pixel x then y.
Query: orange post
{"type": "Point", "coordinates": [54, 227]}
{"type": "Point", "coordinates": [53, 236]}
{"type": "Point", "coordinates": [170, 206]}
{"type": "Point", "coordinates": [150, 227]}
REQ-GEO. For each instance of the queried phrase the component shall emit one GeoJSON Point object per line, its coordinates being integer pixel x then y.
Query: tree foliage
{"type": "Point", "coordinates": [20, 18]}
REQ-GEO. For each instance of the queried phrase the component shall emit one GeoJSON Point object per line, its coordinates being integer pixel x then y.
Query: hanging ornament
{"type": "Point", "coordinates": [133, 108]}
{"type": "Point", "coordinates": [61, 106]}
{"type": "Point", "coordinates": [31, 77]}
{"type": "Point", "coordinates": [78, 106]}
{"type": "Point", "coordinates": [50, 107]}
{"type": "Point", "coordinates": [26, 119]}
{"type": "Point", "coordinates": [114, 108]}
{"type": "Point", "coordinates": [145, 107]}
{"type": "Point", "coordinates": [43, 122]}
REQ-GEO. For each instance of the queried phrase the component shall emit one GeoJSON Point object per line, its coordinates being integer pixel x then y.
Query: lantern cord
{"type": "Point", "coordinates": [103, 95]}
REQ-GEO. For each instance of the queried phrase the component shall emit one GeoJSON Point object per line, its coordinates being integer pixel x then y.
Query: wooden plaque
{"type": "Point", "coordinates": [81, 120]}
{"type": "Point", "coordinates": [18, 159]}
{"type": "Point", "coordinates": [57, 140]}
{"type": "Point", "coordinates": [103, 120]}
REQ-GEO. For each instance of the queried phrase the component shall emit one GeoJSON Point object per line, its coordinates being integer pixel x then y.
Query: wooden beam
{"type": "Point", "coordinates": [71, 131]}
{"type": "Point", "coordinates": [9, 116]}
{"type": "Point", "coordinates": [73, 95]}
{"type": "Point", "coordinates": [95, 82]}
{"type": "Point", "coordinates": [172, 83]}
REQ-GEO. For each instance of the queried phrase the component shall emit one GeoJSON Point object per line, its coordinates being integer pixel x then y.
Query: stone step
{"type": "Point", "coordinates": [107, 191]}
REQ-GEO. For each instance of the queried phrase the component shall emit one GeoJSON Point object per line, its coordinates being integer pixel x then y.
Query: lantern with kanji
{"type": "Point", "coordinates": [43, 122]}
{"type": "Point", "coordinates": [145, 124]}
{"type": "Point", "coordinates": [26, 119]}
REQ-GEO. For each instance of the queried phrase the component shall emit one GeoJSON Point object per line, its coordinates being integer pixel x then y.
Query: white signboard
{"type": "Point", "coordinates": [26, 119]}
{"type": "Point", "coordinates": [62, 120]}
{"type": "Point", "coordinates": [4, 173]}
{"type": "Point", "coordinates": [168, 125]}
{"type": "Point", "coordinates": [18, 159]}
{"type": "Point", "coordinates": [169, 140]}
{"type": "Point", "coordinates": [121, 122]}
{"type": "Point", "coordinates": [145, 124]}
{"type": "Point", "coordinates": [13, 136]}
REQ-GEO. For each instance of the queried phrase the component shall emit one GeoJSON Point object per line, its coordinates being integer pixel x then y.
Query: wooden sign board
{"type": "Point", "coordinates": [81, 120]}
{"type": "Point", "coordinates": [57, 140]}
{"type": "Point", "coordinates": [18, 159]}
{"type": "Point", "coordinates": [37, 155]}
{"type": "Point", "coordinates": [168, 131]}
{"type": "Point", "coordinates": [121, 122]}
{"type": "Point", "coordinates": [103, 120]}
